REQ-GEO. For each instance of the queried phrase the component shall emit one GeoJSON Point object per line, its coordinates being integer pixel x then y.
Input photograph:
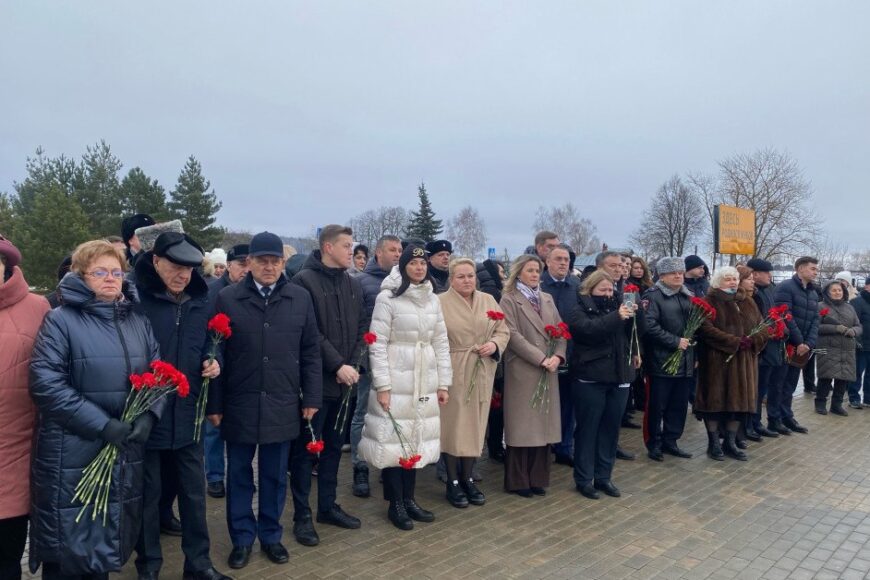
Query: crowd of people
{"type": "Point", "coordinates": [406, 354]}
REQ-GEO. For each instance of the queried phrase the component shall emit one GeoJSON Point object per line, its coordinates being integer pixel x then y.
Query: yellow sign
{"type": "Point", "coordinates": [735, 230]}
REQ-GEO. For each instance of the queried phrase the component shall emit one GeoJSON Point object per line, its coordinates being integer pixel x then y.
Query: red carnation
{"type": "Point", "coordinates": [631, 289]}
{"type": "Point", "coordinates": [495, 402]}
{"type": "Point", "coordinates": [494, 315]}
{"type": "Point", "coordinates": [370, 338]}
{"type": "Point", "coordinates": [824, 311]}
{"type": "Point", "coordinates": [314, 447]}
{"type": "Point", "coordinates": [220, 324]}
{"type": "Point", "coordinates": [137, 382]}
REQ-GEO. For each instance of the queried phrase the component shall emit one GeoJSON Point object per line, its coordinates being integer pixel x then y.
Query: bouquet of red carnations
{"type": "Point", "coordinates": [408, 459]}
{"type": "Point", "coordinates": [494, 316]}
{"type": "Point", "coordinates": [219, 326]}
{"type": "Point", "coordinates": [701, 311]}
{"type": "Point", "coordinates": [773, 324]}
{"type": "Point", "coordinates": [541, 396]}
{"type": "Point", "coordinates": [344, 409]}
{"type": "Point", "coordinates": [148, 388]}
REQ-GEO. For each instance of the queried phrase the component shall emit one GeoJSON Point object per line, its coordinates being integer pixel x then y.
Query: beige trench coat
{"type": "Point", "coordinates": [463, 423]}
{"type": "Point", "coordinates": [524, 426]}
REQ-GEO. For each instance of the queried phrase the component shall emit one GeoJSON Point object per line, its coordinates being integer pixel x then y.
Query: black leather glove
{"type": "Point", "coordinates": [116, 432]}
{"type": "Point", "coordinates": [142, 426]}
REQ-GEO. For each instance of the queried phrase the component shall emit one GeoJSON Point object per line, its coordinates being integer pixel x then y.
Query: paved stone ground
{"type": "Point", "coordinates": [800, 508]}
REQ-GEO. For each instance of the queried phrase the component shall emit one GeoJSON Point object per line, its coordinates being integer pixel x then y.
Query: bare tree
{"type": "Point", "coordinates": [772, 184]}
{"type": "Point", "coordinates": [579, 233]}
{"type": "Point", "coordinates": [370, 225]}
{"type": "Point", "coordinates": [674, 219]}
{"type": "Point", "coordinates": [860, 261]}
{"type": "Point", "coordinates": [467, 232]}
{"type": "Point", "coordinates": [833, 257]}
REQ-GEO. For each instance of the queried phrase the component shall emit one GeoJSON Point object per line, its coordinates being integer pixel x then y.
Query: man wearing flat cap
{"type": "Point", "coordinates": [439, 259]}
{"type": "Point", "coordinates": [771, 362]}
{"type": "Point", "coordinates": [174, 297]}
{"type": "Point", "coordinates": [215, 468]}
{"type": "Point", "coordinates": [271, 386]}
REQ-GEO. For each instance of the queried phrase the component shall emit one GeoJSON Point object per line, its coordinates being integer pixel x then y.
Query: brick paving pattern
{"type": "Point", "coordinates": [797, 509]}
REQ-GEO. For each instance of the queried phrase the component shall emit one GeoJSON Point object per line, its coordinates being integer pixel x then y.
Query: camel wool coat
{"type": "Point", "coordinates": [463, 420]}
{"type": "Point", "coordinates": [524, 426]}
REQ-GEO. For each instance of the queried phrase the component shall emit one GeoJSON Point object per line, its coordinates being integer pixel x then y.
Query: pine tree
{"type": "Point", "coordinates": [98, 190]}
{"type": "Point", "coordinates": [42, 173]}
{"type": "Point", "coordinates": [193, 204]}
{"type": "Point", "coordinates": [141, 194]}
{"type": "Point", "coordinates": [52, 229]}
{"type": "Point", "coordinates": [423, 224]}
{"type": "Point", "coordinates": [6, 215]}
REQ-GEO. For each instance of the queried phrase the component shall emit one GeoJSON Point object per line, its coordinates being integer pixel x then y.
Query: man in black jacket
{"type": "Point", "coordinates": [439, 253]}
{"type": "Point", "coordinates": [237, 269]}
{"type": "Point", "coordinates": [801, 296]}
{"type": "Point", "coordinates": [771, 362]}
{"type": "Point", "coordinates": [174, 297]}
{"type": "Point", "coordinates": [341, 318]}
{"type": "Point", "coordinates": [861, 304]}
{"type": "Point", "coordinates": [271, 370]}
{"type": "Point", "coordinates": [667, 307]}
{"type": "Point", "coordinates": [387, 253]}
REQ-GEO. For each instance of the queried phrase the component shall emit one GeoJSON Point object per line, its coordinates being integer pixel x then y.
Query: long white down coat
{"type": "Point", "coordinates": [411, 358]}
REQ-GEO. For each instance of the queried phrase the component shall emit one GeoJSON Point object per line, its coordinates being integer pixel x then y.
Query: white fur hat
{"type": "Point", "coordinates": [218, 256]}
{"type": "Point", "coordinates": [845, 276]}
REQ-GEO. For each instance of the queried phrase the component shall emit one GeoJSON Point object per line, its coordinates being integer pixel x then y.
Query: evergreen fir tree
{"type": "Point", "coordinates": [423, 224]}
{"type": "Point", "coordinates": [141, 194]}
{"type": "Point", "coordinates": [196, 206]}
{"type": "Point", "coordinates": [98, 190]}
{"type": "Point", "coordinates": [6, 215]}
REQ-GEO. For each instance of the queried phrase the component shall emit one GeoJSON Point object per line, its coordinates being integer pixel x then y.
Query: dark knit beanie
{"type": "Point", "coordinates": [409, 254]}
{"type": "Point", "coordinates": [693, 262]}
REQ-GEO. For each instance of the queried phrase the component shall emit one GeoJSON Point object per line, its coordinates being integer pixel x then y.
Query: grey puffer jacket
{"type": "Point", "coordinates": [83, 355]}
{"type": "Point", "coordinates": [838, 362]}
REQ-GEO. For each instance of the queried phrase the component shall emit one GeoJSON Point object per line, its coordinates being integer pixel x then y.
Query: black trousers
{"type": "Point", "coordinates": [789, 384]}
{"type": "Point", "coordinates": [302, 462]}
{"type": "Point", "coordinates": [399, 483]}
{"type": "Point", "coordinates": [809, 373]}
{"type": "Point", "coordinates": [825, 386]}
{"type": "Point", "coordinates": [598, 407]}
{"type": "Point", "coordinates": [51, 571]}
{"type": "Point", "coordinates": [188, 463]}
{"type": "Point", "coordinates": [666, 408]}
{"type": "Point", "coordinates": [495, 429]}
{"type": "Point", "coordinates": [13, 537]}
{"type": "Point", "coordinates": [168, 487]}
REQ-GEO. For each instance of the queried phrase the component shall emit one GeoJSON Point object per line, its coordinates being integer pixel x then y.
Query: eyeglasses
{"type": "Point", "coordinates": [100, 273]}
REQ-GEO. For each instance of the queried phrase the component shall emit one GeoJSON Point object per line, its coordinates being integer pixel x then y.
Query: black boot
{"type": "Point", "coordinates": [474, 495]}
{"type": "Point", "coordinates": [777, 426]}
{"type": "Point", "coordinates": [456, 496]}
{"type": "Point", "coordinates": [765, 432]}
{"type": "Point", "coordinates": [821, 407]}
{"type": "Point", "coordinates": [361, 481]}
{"type": "Point", "coordinates": [751, 433]}
{"type": "Point", "coordinates": [714, 449]}
{"type": "Point", "coordinates": [730, 448]}
{"type": "Point", "coordinates": [837, 409]}
{"type": "Point", "coordinates": [837, 399]}
{"type": "Point", "coordinates": [399, 516]}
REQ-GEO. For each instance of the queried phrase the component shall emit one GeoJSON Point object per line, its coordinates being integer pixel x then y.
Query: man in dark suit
{"type": "Point", "coordinates": [272, 382]}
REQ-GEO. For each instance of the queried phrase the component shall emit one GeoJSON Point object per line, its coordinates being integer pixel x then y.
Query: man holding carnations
{"type": "Point", "coordinates": [342, 319]}
{"type": "Point", "coordinates": [174, 297]}
{"type": "Point", "coordinates": [668, 308]}
{"type": "Point", "coordinates": [271, 383]}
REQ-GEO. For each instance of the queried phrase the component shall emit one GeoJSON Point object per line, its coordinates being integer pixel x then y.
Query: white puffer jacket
{"type": "Point", "coordinates": [411, 359]}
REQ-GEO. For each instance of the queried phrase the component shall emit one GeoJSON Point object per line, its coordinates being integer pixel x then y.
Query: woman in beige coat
{"type": "Point", "coordinates": [529, 432]}
{"type": "Point", "coordinates": [473, 337]}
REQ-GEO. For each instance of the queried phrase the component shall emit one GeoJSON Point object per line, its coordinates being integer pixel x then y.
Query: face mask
{"type": "Point", "coordinates": [729, 290]}
{"type": "Point", "coordinates": [605, 303]}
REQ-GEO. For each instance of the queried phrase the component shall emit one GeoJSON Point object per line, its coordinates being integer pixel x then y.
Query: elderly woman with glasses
{"type": "Point", "coordinates": [84, 354]}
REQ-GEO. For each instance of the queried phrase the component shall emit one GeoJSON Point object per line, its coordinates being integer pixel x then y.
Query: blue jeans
{"type": "Point", "coordinates": [862, 362]}
{"type": "Point", "coordinates": [359, 417]}
{"type": "Point", "coordinates": [243, 526]}
{"type": "Point", "coordinates": [214, 453]}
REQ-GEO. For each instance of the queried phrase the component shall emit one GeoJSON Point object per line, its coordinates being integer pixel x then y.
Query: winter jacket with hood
{"type": "Point", "coordinates": [861, 304]}
{"type": "Point", "coordinates": [489, 280]}
{"type": "Point", "coordinates": [181, 332]}
{"type": "Point", "coordinates": [411, 359]}
{"type": "Point", "coordinates": [21, 315]}
{"type": "Point", "coordinates": [84, 354]}
{"type": "Point", "coordinates": [666, 312]}
{"type": "Point", "coordinates": [803, 304]}
{"type": "Point", "coordinates": [837, 361]}
{"type": "Point", "coordinates": [341, 317]}
{"type": "Point", "coordinates": [271, 363]}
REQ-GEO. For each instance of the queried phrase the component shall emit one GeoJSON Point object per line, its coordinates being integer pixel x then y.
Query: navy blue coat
{"type": "Point", "coordinates": [181, 331]}
{"type": "Point", "coordinates": [803, 303]}
{"type": "Point", "coordinates": [271, 363]}
{"type": "Point", "coordinates": [566, 296]}
{"type": "Point", "coordinates": [773, 354]}
{"type": "Point", "coordinates": [861, 304]}
{"type": "Point", "coordinates": [370, 280]}
{"type": "Point", "coordinates": [83, 355]}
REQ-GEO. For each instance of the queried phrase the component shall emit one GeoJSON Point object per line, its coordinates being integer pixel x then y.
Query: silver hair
{"type": "Point", "coordinates": [722, 273]}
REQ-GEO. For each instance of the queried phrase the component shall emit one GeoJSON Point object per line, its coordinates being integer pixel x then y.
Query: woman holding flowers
{"type": "Point", "coordinates": [839, 332]}
{"type": "Point", "coordinates": [79, 379]}
{"type": "Point", "coordinates": [411, 373]}
{"type": "Point", "coordinates": [603, 364]}
{"type": "Point", "coordinates": [728, 362]}
{"type": "Point", "coordinates": [478, 337]}
{"type": "Point", "coordinates": [531, 385]}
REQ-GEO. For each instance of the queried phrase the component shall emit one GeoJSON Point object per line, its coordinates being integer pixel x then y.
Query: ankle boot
{"type": "Point", "coordinates": [456, 496]}
{"type": "Point", "coordinates": [821, 407]}
{"type": "Point", "coordinates": [714, 448]}
{"type": "Point", "coordinates": [730, 448]}
{"type": "Point", "coordinates": [399, 516]}
{"type": "Point", "coordinates": [837, 409]}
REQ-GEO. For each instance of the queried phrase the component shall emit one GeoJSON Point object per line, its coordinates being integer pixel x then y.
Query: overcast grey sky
{"type": "Point", "coordinates": [309, 113]}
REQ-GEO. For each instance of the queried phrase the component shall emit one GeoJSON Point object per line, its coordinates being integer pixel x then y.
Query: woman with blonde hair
{"type": "Point", "coordinates": [478, 337]}
{"type": "Point", "coordinates": [529, 432]}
